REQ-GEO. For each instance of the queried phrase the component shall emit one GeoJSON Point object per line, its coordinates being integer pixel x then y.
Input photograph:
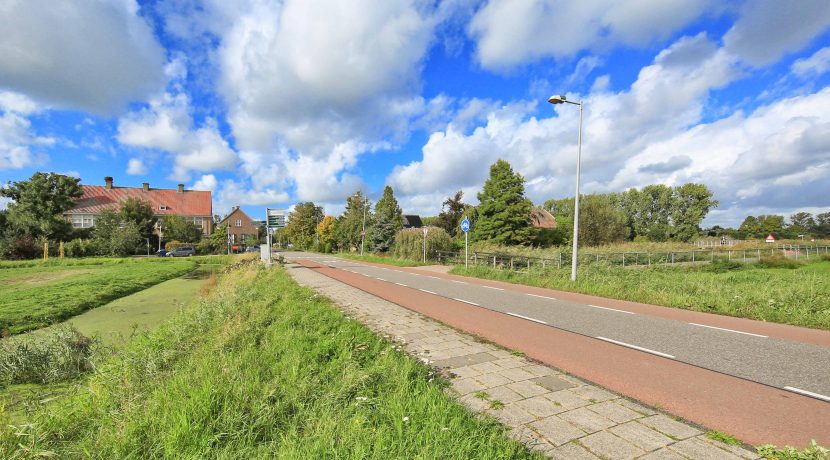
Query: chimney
{"type": "Point", "coordinates": [108, 181]}
{"type": "Point", "coordinates": [181, 188]}
{"type": "Point", "coordinates": [146, 186]}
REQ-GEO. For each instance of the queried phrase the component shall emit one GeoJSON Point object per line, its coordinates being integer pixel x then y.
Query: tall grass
{"type": "Point", "coordinates": [59, 355]}
{"type": "Point", "coordinates": [36, 295]}
{"type": "Point", "coordinates": [799, 296]}
{"type": "Point", "coordinates": [261, 369]}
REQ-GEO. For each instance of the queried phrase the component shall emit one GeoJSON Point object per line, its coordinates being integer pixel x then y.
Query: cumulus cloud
{"type": "Point", "coordinates": [813, 66]}
{"type": "Point", "coordinates": [19, 145]}
{"type": "Point", "coordinates": [768, 29]}
{"type": "Point", "coordinates": [508, 33]}
{"type": "Point", "coordinates": [136, 167]}
{"type": "Point", "coordinates": [95, 56]}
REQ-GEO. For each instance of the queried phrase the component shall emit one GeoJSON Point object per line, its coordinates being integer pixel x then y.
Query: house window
{"type": "Point", "coordinates": [83, 220]}
{"type": "Point", "coordinates": [238, 222]}
{"type": "Point", "coordinates": [162, 207]}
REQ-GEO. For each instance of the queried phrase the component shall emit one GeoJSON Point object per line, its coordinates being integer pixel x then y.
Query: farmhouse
{"type": "Point", "coordinates": [240, 226]}
{"type": "Point", "coordinates": [193, 205]}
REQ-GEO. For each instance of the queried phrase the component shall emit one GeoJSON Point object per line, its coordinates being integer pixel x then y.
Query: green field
{"type": "Point", "coordinates": [35, 294]}
{"type": "Point", "coordinates": [798, 296]}
{"type": "Point", "coordinates": [260, 369]}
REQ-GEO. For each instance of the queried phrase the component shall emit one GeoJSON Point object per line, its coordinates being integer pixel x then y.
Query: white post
{"type": "Point", "coordinates": [363, 233]}
{"type": "Point", "coordinates": [466, 249]}
{"type": "Point", "coordinates": [425, 245]}
{"type": "Point", "coordinates": [576, 199]}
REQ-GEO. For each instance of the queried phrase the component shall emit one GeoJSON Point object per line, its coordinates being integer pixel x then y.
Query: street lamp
{"type": "Point", "coordinates": [561, 99]}
{"type": "Point", "coordinates": [363, 233]}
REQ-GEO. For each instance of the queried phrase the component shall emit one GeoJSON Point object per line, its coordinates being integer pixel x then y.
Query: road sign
{"type": "Point", "coordinates": [465, 225]}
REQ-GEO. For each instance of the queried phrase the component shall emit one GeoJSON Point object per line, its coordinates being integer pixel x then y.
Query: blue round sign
{"type": "Point", "coordinates": [465, 225]}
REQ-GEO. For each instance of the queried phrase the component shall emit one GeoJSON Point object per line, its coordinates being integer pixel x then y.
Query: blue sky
{"type": "Point", "coordinates": [268, 103]}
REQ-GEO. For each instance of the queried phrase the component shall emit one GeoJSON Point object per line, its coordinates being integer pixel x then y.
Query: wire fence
{"type": "Point", "coordinates": [632, 259]}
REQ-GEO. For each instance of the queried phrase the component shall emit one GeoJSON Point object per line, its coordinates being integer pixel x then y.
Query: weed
{"type": "Point", "coordinates": [516, 353]}
{"type": "Point", "coordinates": [723, 437]}
{"type": "Point", "coordinates": [59, 355]}
{"type": "Point", "coordinates": [482, 395]}
{"type": "Point", "coordinates": [812, 452]}
{"type": "Point", "coordinates": [496, 404]}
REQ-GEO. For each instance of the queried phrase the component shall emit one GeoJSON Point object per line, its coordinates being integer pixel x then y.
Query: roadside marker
{"type": "Point", "coordinates": [428, 292]}
{"type": "Point", "coordinates": [729, 330]}
{"type": "Point", "coordinates": [491, 287]}
{"type": "Point", "coordinates": [637, 348]}
{"type": "Point", "coordinates": [613, 309]}
{"type": "Point", "coordinates": [527, 318]}
{"type": "Point", "coordinates": [808, 393]}
{"type": "Point", "coordinates": [542, 296]}
{"type": "Point", "coordinates": [466, 301]}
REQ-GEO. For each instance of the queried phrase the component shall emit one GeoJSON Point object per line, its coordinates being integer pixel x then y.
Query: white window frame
{"type": "Point", "coordinates": [238, 222]}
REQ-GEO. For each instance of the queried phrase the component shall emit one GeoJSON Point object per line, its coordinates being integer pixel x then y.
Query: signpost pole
{"type": "Point", "coordinates": [425, 245]}
{"type": "Point", "coordinates": [465, 227]}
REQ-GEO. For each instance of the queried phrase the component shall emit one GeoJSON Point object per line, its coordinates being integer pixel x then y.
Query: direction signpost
{"type": "Point", "coordinates": [465, 227]}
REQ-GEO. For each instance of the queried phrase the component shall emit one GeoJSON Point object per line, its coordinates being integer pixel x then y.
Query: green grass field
{"type": "Point", "coordinates": [34, 294]}
{"type": "Point", "coordinates": [798, 296]}
{"type": "Point", "coordinates": [261, 369]}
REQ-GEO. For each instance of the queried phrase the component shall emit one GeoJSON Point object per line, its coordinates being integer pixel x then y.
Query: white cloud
{"type": "Point", "coordinates": [815, 65]}
{"type": "Point", "coordinates": [237, 193]}
{"type": "Point", "coordinates": [206, 182]}
{"type": "Point", "coordinates": [93, 55]}
{"type": "Point", "coordinates": [136, 167]}
{"type": "Point", "coordinates": [16, 142]}
{"type": "Point", "coordinates": [18, 103]}
{"type": "Point", "coordinates": [509, 33]}
{"type": "Point", "coordinates": [768, 29]}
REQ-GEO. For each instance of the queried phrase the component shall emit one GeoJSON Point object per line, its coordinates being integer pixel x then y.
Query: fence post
{"type": "Point", "coordinates": [559, 265]}
{"type": "Point", "coordinates": [712, 258]}
{"type": "Point", "coordinates": [648, 254]}
{"type": "Point", "coordinates": [729, 257]}
{"type": "Point", "coordinates": [494, 261]}
{"type": "Point", "coordinates": [693, 256]}
{"type": "Point", "coordinates": [672, 257]}
{"type": "Point", "coordinates": [623, 259]}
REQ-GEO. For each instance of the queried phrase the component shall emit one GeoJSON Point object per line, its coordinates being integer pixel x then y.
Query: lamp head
{"type": "Point", "coordinates": [558, 99]}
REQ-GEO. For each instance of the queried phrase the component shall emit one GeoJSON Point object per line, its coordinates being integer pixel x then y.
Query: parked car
{"type": "Point", "coordinates": [161, 253]}
{"type": "Point", "coordinates": [184, 251]}
{"type": "Point", "coordinates": [252, 249]}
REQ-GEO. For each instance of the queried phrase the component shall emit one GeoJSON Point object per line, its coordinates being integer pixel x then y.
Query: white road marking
{"type": "Point", "coordinates": [459, 282]}
{"type": "Point", "coordinates": [637, 348]}
{"type": "Point", "coordinates": [467, 301]}
{"type": "Point", "coordinates": [729, 330]}
{"type": "Point", "coordinates": [526, 317]}
{"type": "Point", "coordinates": [433, 277]}
{"type": "Point", "coordinates": [381, 279]}
{"type": "Point", "coordinates": [428, 292]}
{"type": "Point", "coordinates": [612, 309]}
{"type": "Point", "coordinates": [401, 284]}
{"type": "Point", "coordinates": [491, 287]}
{"type": "Point", "coordinates": [808, 393]}
{"type": "Point", "coordinates": [542, 296]}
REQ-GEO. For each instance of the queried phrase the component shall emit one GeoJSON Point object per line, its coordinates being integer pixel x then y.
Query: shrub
{"type": "Point", "coordinates": [779, 262]}
{"type": "Point", "coordinates": [19, 248]}
{"type": "Point", "coordinates": [56, 355]}
{"type": "Point", "coordinates": [173, 244]}
{"type": "Point", "coordinates": [722, 265]}
{"type": "Point", "coordinates": [409, 243]}
{"type": "Point", "coordinates": [813, 452]}
{"type": "Point", "coordinates": [81, 248]}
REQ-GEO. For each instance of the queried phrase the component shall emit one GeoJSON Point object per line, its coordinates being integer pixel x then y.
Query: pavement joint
{"type": "Point", "coordinates": [563, 418]}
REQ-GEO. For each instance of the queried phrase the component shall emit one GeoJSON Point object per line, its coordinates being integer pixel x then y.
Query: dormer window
{"type": "Point", "coordinates": [162, 207]}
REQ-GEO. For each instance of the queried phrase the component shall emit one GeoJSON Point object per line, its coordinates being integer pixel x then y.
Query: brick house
{"type": "Point", "coordinates": [194, 205]}
{"type": "Point", "coordinates": [240, 225]}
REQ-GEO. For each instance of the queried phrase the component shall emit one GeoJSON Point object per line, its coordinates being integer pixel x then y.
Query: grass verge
{"type": "Point", "coordinates": [34, 295]}
{"type": "Point", "coordinates": [260, 369]}
{"type": "Point", "coordinates": [798, 296]}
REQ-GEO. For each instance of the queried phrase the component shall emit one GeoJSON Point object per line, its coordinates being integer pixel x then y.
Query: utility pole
{"type": "Point", "coordinates": [363, 232]}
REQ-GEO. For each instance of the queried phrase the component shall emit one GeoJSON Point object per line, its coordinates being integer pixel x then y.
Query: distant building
{"type": "Point", "coordinates": [194, 205]}
{"type": "Point", "coordinates": [240, 226]}
{"type": "Point", "coordinates": [412, 222]}
{"type": "Point", "coordinates": [542, 219]}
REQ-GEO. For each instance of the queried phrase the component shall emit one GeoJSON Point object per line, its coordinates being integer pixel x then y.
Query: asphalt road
{"type": "Point", "coordinates": [784, 364]}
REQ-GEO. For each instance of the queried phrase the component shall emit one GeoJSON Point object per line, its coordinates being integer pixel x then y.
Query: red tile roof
{"type": "Point", "coordinates": [192, 203]}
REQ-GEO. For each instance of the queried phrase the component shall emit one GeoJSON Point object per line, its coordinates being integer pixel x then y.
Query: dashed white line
{"type": "Point", "coordinates": [466, 301]}
{"type": "Point", "coordinates": [542, 296]}
{"type": "Point", "coordinates": [491, 287]}
{"type": "Point", "coordinates": [433, 277]}
{"type": "Point", "coordinates": [428, 292]}
{"type": "Point", "coordinates": [808, 393]}
{"type": "Point", "coordinates": [647, 350]}
{"type": "Point", "coordinates": [526, 317]}
{"type": "Point", "coordinates": [613, 309]}
{"type": "Point", "coordinates": [459, 282]}
{"type": "Point", "coordinates": [381, 279]}
{"type": "Point", "coordinates": [401, 284]}
{"type": "Point", "coordinates": [730, 330]}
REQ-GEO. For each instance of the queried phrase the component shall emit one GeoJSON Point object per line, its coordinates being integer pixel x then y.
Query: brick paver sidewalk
{"type": "Point", "coordinates": [545, 408]}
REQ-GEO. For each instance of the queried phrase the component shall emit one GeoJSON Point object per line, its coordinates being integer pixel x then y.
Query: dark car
{"type": "Point", "coordinates": [161, 253]}
{"type": "Point", "coordinates": [184, 251]}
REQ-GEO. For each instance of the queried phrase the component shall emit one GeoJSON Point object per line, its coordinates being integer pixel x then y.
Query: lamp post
{"type": "Point", "coordinates": [363, 232]}
{"type": "Point", "coordinates": [561, 99]}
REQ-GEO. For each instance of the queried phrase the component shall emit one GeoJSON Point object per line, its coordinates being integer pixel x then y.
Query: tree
{"type": "Point", "coordinates": [350, 223]}
{"type": "Point", "coordinates": [302, 224]}
{"type": "Point", "coordinates": [802, 223]}
{"type": "Point", "coordinates": [649, 211]}
{"type": "Point", "coordinates": [139, 212]}
{"type": "Point", "coordinates": [504, 212]}
{"type": "Point", "coordinates": [690, 204]}
{"type": "Point", "coordinates": [388, 221]}
{"type": "Point", "coordinates": [177, 228]}
{"type": "Point", "coordinates": [600, 221]}
{"type": "Point", "coordinates": [326, 229]}
{"type": "Point", "coordinates": [451, 212]}
{"type": "Point", "coordinates": [38, 205]}
{"type": "Point", "coordinates": [822, 228]}
{"type": "Point", "coordinates": [113, 236]}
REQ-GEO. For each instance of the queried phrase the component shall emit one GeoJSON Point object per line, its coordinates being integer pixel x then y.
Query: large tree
{"type": "Point", "coordinates": [141, 214]}
{"type": "Point", "coordinates": [38, 205]}
{"type": "Point", "coordinates": [302, 224]}
{"type": "Point", "coordinates": [451, 213]}
{"type": "Point", "coordinates": [504, 212]}
{"type": "Point", "coordinates": [347, 233]}
{"type": "Point", "coordinates": [388, 221]}
{"type": "Point", "coordinates": [822, 228]}
{"type": "Point", "coordinates": [177, 228]}
{"type": "Point", "coordinates": [600, 221]}
{"type": "Point", "coordinates": [649, 211]}
{"type": "Point", "coordinates": [326, 229]}
{"type": "Point", "coordinates": [690, 204]}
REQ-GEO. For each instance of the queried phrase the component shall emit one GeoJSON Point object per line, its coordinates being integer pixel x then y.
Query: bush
{"type": "Point", "coordinates": [723, 265]}
{"type": "Point", "coordinates": [81, 248]}
{"type": "Point", "coordinates": [57, 355]}
{"type": "Point", "coordinates": [19, 248]}
{"type": "Point", "coordinates": [173, 244]}
{"type": "Point", "coordinates": [779, 262]}
{"type": "Point", "coordinates": [409, 243]}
